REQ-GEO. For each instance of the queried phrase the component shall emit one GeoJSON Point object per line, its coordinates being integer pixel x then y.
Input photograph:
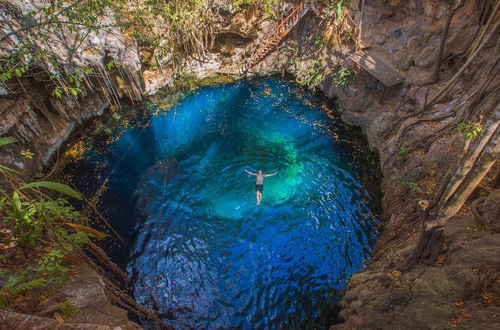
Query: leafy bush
{"type": "Point", "coordinates": [342, 76]}
{"type": "Point", "coordinates": [47, 271]}
{"type": "Point", "coordinates": [402, 155]}
{"type": "Point", "coordinates": [470, 130]}
{"type": "Point", "coordinates": [319, 42]}
{"type": "Point", "coordinates": [67, 308]}
{"type": "Point", "coordinates": [337, 8]}
{"type": "Point", "coordinates": [413, 186]}
{"type": "Point", "coordinates": [38, 223]}
{"type": "Point", "coordinates": [312, 75]}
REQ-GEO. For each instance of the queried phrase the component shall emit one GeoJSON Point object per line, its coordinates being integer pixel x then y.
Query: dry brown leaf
{"type": "Point", "coordinates": [58, 317]}
{"type": "Point", "coordinates": [394, 275]}
{"type": "Point", "coordinates": [87, 230]}
{"type": "Point", "coordinates": [72, 259]}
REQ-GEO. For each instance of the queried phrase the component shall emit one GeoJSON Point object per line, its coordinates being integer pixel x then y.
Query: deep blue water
{"type": "Point", "coordinates": [199, 249]}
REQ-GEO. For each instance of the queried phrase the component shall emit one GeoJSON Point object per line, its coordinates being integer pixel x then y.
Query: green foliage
{"type": "Point", "coordinates": [56, 186]}
{"type": "Point", "coordinates": [29, 218]}
{"type": "Point", "coordinates": [238, 4]}
{"type": "Point", "coordinates": [48, 271]}
{"type": "Point", "coordinates": [470, 130]}
{"type": "Point", "coordinates": [409, 180]}
{"type": "Point", "coordinates": [267, 6]}
{"type": "Point", "coordinates": [337, 8]}
{"type": "Point", "coordinates": [34, 52]}
{"type": "Point", "coordinates": [216, 80]}
{"type": "Point", "coordinates": [17, 284]}
{"type": "Point", "coordinates": [264, 5]}
{"type": "Point", "coordinates": [111, 65]}
{"type": "Point", "coordinates": [67, 308]}
{"type": "Point", "coordinates": [57, 92]}
{"type": "Point", "coordinates": [27, 228]}
{"type": "Point", "coordinates": [402, 155]}
{"type": "Point", "coordinates": [50, 267]}
{"type": "Point", "coordinates": [312, 75]}
{"type": "Point", "coordinates": [38, 221]}
{"type": "Point", "coordinates": [3, 167]}
{"type": "Point", "coordinates": [319, 42]}
{"type": "Point", "coordinates": [7, 140]}
{"type": "Point", "coordinates": [186, 81]}
{"type": "Point", "coordinates": [186, 20]}
{"type": "Point", "coordinates": [414, 187]}
{"type": "Point", "coordinates": [342, 77]}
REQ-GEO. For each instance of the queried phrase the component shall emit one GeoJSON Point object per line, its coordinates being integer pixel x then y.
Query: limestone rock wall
{"type": "Point", "coordinates": [31, 113]}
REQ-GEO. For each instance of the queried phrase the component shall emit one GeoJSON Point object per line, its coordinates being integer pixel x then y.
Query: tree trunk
{"type": "Point", "coordinates": [462, 183]}
{"type": "Point", "coordinates": [469, 159]}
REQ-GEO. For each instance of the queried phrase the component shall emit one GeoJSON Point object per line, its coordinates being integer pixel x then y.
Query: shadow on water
{"type": "Point", "coordinates": [200, 251]}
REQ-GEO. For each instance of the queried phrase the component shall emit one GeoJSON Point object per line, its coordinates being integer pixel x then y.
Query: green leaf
{"type": "Point", "coordinates": [10, 169]}
{"type": "Point", "coordinates": [88, 70]}
{"type": "Point", "coordinates": [7, 140]}
{"type": "Point", "coordinates": [56, 186]}
{"type": "Point", "coordinates": [16, 203]}
{"type": "Point", "coordinates": [75, 91]}
{"type": "Point", "coordinates": [110, 65]}
{"type": "Point", "coordinates": [57, 92]}
{"type": "Point", "coordinates": [5, 76]}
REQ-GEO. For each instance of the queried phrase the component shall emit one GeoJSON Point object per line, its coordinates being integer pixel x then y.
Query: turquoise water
{"type": "Point", "coordinates": [199, 250]}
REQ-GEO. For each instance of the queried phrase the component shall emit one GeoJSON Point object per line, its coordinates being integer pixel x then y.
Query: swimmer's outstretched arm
{"type": "Point", "coordinates": [250, 172]}
{"type": "Point", "coordinates": [266, 175]}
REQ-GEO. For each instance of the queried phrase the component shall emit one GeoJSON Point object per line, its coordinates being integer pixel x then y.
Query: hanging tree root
{"type": "Point", "coordinates": [119, 297]}
{"type": "Point", "coordinates": [483, 41]}
{"type": "Point", "coordinates": [99, 254]}
{"type": "Point", "coordinates": [428, 248]}
{"type": "Point", "coordinates": [439, 58]}
{"type": "Point", "coordinates": [128, 303]}
{"type": "Point", "coordinates": [474, 208]}
{"type": "Point", "coordinates": [483, 93]}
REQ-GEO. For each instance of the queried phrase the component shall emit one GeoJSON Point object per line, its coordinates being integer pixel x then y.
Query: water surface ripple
{"type": "Point", "coordinates": [204, 255]}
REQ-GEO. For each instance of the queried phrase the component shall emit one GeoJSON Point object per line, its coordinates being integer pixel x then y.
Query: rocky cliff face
{"type": "Point", "coordinates": [29, 109]}
{"type": "Point", "coordinates": [415, 148]}
{"type": "Point", "coordinates": [461, 289]}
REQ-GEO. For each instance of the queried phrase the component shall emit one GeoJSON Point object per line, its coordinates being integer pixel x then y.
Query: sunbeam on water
{"type": "Point", "coordinates": [203, 254]}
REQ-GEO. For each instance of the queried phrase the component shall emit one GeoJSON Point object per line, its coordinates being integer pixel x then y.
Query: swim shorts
{"type": "Point", "coordinates": [259, 187]}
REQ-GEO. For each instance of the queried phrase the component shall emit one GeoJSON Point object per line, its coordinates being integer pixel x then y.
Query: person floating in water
{"type": "Point", "coordinates": [259, 184]}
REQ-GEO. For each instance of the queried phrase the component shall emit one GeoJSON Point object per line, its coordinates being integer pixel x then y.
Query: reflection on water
{"type": "Point", "coordinates": [202, 253]}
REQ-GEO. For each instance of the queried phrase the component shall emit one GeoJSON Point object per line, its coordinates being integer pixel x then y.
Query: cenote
{"type": "Point", "coordinates": [199, 250]}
